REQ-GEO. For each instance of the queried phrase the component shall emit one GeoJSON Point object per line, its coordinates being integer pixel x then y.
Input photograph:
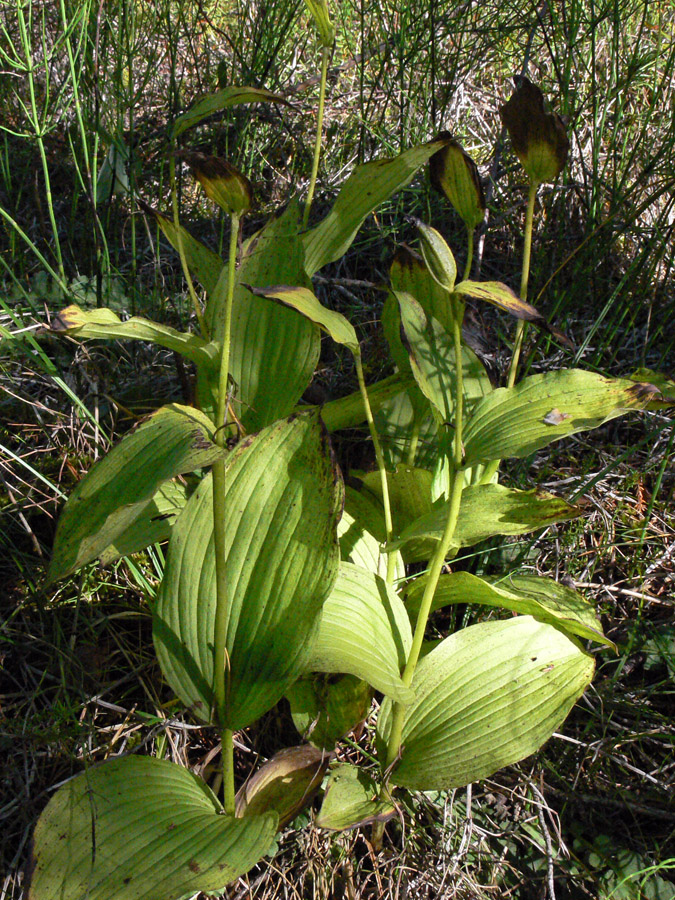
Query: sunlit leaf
{"type": "Point", "coordinates": [364, 631]}
{"type": "Point", "coordinates": [501, 296]}
{"type": "Point", "coordinates": [282, 559]}
{"type": "Point", "coordinates": [107, 325]}
{"type": "Point", "coordinates": [366, 188]}
{"type": "Point", "coordinates": [362, 533]}
{"type": "Point", "coordinates": [543, 598]}
{"type": "Point", "coordinates": [152, 525]}
{"type": "Point", "coordinates": [487, 510]}
{"type": "Point", "coordinates": [223, 99]}
{"type": "Point", "coordinates": [486, 697]}
{"type": "Point", "coordinates": [517, 421]}
{"type": "Point", "coordinates": [140, 828]}
{"type": "Point", "coordinates": [305, 302]}
{"type": "Point", "coordinates": [115, 492]}
{"type": "Point", "coordinates": [454, 173]}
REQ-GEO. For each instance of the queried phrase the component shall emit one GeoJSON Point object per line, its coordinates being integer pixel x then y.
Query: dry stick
{"type": "Point", "coordinates": [220, 659]}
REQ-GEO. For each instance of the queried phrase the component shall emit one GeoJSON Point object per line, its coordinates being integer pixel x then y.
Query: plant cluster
{"type": "Point", "coordinates": [284, 580]}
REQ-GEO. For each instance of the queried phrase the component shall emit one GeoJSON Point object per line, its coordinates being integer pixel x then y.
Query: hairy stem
{"type": "Point", "coordinates": [220, 658]}
{"type": "Point", "coordinates": [325, 53]}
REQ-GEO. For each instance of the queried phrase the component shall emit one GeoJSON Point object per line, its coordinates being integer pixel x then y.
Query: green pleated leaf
{"type": "Point", "coordinates": [283, 499]}
{"type": "Point", "coordinates": [486, 697]}
{"type": "Point", "coordinates": [110, 498]}
{"type": "Point", "coordinates": [432, 356]}
{"type": "Point", "coordinates": [348, 412]}
{"type": "Point", "coordinates": [352, 800]}
{"type": "Point", "coordinates": [364, 631]}
{"type": "Point", "coordinates": [152, 525]}
{"type": "Point", "coordinates": [366, 188]}
{"type": "Point", "coordinates": [203, 263]}
{"type": "Point", "coordinates": [285, 784]}
{"type": "Point", "coordinates": [325, 708]}
{"type": "Point", "coordinates": [362, 533]}
{"type": "Point", "coordinates": [409, 496]}
{"type": "Point", "coordinates": [273, 351]}
{"type": "Point", "coordinates": [403, 430]}
{"type": "Point", "coordinates": [487, 510]}
{"type": "Point", "coordinates": [543, 408]}
{"type": "Point", "coordinates": [305, 302]}
{"type": "Point", "coordinates": [532, 595]}
{"type": "Point", "coordinates": [105, 324]}
{"type": "Point", "coordinates": [140, 828]}
{"type": "Point", "coordinates": [224, 99]}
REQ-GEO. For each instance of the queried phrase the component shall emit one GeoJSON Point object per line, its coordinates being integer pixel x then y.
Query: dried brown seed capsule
{"type": "Point", "coordinates": [538, 137]}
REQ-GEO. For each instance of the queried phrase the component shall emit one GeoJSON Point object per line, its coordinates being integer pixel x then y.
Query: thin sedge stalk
{"type": "Point", "coordinates": [325, 53]}
{"type": "Point", "coordinates": [179, 240]}
{"type": "Point", "coordinates": [492, 467]}
{"type": "Point", "coordinates": [39, 139]}
{"type": "Point", "coordinates": [439, 557]}
{"type": "Point", "coordinates": [220, 660]}
{"type": "Point", "coordinates": [379, 457]}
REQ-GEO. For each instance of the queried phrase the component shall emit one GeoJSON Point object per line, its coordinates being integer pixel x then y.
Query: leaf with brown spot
{"type": "Point", "coordinates": [454, 174]}
{"type": "Point", "coordinates": [501, 296]}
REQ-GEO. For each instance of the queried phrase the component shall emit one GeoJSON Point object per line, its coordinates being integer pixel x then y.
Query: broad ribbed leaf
{"type": "Point", "coordinates": [487, 510]}
{"type": "Point", "coordinates": [432, 356]}
{"type": "Point", "coordinates": [485, 698]}
{"type": "Point", "coordinates": [409, 496]}
{"type": "Point", "coordinates": [351, 800]}
{"type": "Point", "coordinates": [224, 99]}
{"type": "Point", "coordinates": [362, 534]}
{"type": "Point", "coordinates": [152, 525]}
{"type": "Point", "coordinates": [543, 408]}
{"type": "Point", "coordinates": [283, 498]}
{"type": "Point", "coordinates": [347, 412]}
{"type": "Point", "coordinates": [366, 188]}
{"type": "Point", "coordinates": [324, 709]}
{"type": "Point", "coordinates": [405, 432]}
{"type": "Point", "coordinates": [274, 350]}
{"type": "Point", "coordinates": [437, 255]}
{"type": "Point", "coordinates": [305, 302]}
{"type": "Point", "coordinates": [140, 828]}
{"type": "Point", "coordinates": [364, 631]}
{"type": "Point", "coordinates": [109, 499]}
{"type": "Point", "coordinates": [105, 324]}
{"type": "Point", "coordinates": [532, 595]}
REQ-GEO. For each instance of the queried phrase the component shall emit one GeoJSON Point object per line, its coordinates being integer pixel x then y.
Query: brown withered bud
{"type": "Point", "coordinates": [454, 174]}
{"type": "Point", "coordinates": [538, 137]}
{"type": "Point", "coordinates": [222, 183]}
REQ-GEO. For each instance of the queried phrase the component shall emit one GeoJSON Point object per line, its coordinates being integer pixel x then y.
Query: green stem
{"type": "Point", "coordinates": [493, 466]}
{"type": "Point", "coordinates": [469, 253]}
{"type": "Point", "coordinates": [379, 457]}
{"type": "Point", "coordinates": [325, 53]}
{"type": "Point", "coordinates": [179, 240]}
{"type": "Point", "coordinates": [441, 553]}
{"type": "Point", "coordinates": [524, 278]}
{"type": "Point", "coordinates": [220, 658]}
